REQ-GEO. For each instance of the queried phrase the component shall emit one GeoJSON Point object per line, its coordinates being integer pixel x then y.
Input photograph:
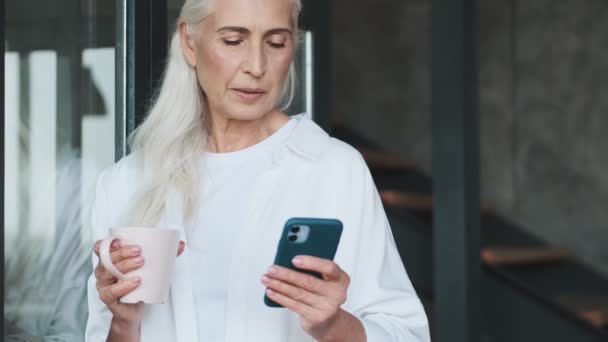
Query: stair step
{"type": "Point", "coordinates": [414, 200]}
{"type": "Point", "coordinates": [592, 308]}
{"type": "Point", "coordinates": [377, 159]}
{"type": "Point", "coordinates": [407, 200]}
{"type": "Point", "coordinates": [508, 256]}
{"type": "Point", "coordinates": [595, 317]}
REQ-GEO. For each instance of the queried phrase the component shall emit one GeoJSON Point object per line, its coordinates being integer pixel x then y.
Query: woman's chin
{"type": "Point", "coordinates": [249, 112]}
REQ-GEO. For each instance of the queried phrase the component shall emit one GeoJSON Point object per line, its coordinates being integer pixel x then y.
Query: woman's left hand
{"type": "Point", "coordinates": [316, 301]}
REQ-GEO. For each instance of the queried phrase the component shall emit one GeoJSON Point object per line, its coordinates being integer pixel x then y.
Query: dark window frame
{"type": "Point", "coordinates": [141, 36]}
{"type": "Point", "coordinates": [2, 77]}
{"type": "Point", "coordinates": [455, 164]}
{"type": "Point", "coordinates": [316, 17]}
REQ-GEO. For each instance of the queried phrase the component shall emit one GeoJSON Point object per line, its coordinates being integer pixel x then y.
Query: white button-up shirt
{"type": "Point", "coordinates": [313, 175]}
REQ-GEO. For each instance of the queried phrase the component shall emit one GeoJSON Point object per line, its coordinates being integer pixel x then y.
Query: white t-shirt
{"type": "Point", "coordinates": [326, 178]}
{"type": "Point", "coordinates": [227, 186]}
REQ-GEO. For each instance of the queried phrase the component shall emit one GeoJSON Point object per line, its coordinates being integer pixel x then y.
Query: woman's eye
{"type": "Point", "coordinates": [276, 45]}
{"type": "Point", "coordinates": [232, 42]}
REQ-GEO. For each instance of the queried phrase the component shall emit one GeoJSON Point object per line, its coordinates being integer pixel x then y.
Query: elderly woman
{"type": "Point", "coordinates": [217, 158]}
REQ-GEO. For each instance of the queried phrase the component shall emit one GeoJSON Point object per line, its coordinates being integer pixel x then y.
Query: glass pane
{"type": "Point", "coordinates": [59, 133]}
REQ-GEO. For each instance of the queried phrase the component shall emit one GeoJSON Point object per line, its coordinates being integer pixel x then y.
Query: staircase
{"type": "Point", "coordinates": [530, 291]}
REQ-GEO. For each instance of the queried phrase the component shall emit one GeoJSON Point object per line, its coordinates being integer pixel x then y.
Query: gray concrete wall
{"type": "Point", "coordinates": [544, 115]}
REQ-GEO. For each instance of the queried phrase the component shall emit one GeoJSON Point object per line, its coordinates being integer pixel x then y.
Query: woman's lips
{"type": "Point", "coordinates": [249, 95]}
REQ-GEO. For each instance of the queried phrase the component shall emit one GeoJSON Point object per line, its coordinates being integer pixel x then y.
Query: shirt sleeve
{"type": "Point", "coordinates": [99, 319]}
{"type": "Point", "coordinates": [381, 294]}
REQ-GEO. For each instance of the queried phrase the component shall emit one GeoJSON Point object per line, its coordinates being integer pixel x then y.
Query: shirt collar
{"type": "Point", "coordinates": [308, 139]}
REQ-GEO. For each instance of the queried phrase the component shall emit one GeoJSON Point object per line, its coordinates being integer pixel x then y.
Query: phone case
{"type": "Point", "coordinates": [323, 238]}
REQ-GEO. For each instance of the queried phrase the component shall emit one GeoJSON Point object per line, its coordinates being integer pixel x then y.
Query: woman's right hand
{"type": "Point", "coordinates": [110, 289]}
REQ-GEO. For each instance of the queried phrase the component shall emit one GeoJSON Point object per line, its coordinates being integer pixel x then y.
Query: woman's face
{"type": "Point", "coordinates": [242, 52]}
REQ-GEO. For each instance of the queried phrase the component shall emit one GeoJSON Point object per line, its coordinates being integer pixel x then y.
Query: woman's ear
{"type": "Point", "coordinates": [187, 44]}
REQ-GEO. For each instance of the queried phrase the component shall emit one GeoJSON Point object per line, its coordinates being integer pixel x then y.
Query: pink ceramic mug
{"type": "Point", "coordinates": [159, 250]}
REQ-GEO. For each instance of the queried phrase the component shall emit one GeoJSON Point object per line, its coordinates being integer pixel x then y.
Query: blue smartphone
{"type": "Point", "coordinates": [306, 236]}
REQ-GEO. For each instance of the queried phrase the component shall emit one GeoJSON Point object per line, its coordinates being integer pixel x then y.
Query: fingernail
{"type": "Point", "coordinates": [136, 280]}
{"type": "Point", "coordinates": [135, 251]}
{"type": "Point", "coordinates": [139, 260]}
{"type": "Point", "coordinates": [296, 261]}
{"type": "Point", "coordinates": [265, 279]}
{"type": "Point", "coordinates": [115, 244]}
{"type": "Point", "coordinates": [269, 292]}
{"type": "Point", "coordinates": [273, 270]}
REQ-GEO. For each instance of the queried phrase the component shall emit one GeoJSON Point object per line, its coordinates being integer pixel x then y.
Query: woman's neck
{"type": "Point", "coordinates": [229, 135]}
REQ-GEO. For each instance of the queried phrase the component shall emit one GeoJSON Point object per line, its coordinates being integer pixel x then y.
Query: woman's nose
{"type": "Point", "coordinates": [255, 65]}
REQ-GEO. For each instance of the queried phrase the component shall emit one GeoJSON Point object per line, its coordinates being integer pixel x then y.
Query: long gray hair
{"type": "Point", "coordinates": [173, 136]}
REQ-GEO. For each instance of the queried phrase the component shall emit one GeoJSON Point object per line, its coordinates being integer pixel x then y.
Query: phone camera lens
{"type": "Point", "coordinates": [293, 238]}
{"type": "Point", "coordinates": [295, 229]}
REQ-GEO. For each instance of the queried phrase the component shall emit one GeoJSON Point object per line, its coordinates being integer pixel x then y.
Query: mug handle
{"type": "Point", "coordinates": [106, 260]}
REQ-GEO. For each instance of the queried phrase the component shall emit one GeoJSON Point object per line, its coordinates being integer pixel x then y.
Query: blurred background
{"type": "Point", "coordinates": [78, 73]}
